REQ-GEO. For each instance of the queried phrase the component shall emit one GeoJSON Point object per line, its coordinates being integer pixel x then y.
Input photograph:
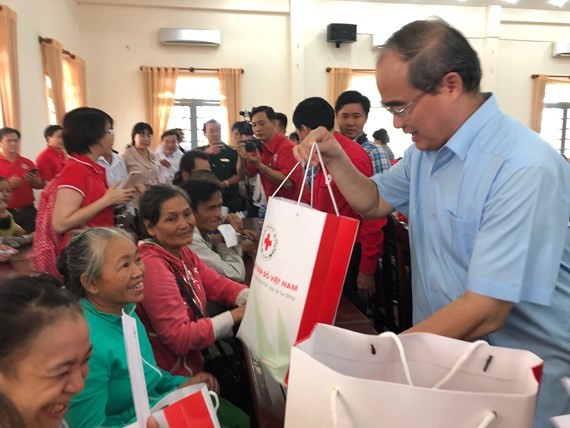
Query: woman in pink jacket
{"type": "Point", "coordinates": [178, 285]}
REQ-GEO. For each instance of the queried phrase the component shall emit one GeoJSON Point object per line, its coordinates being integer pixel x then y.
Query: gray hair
{"type": "Point", "coordinates": [433, 48]}
{"type": "Point", "coordinates": [85, 256]}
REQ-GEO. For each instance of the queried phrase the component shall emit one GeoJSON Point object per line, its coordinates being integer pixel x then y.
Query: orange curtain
{"type": "Point", "coordinates": [539, 87]}
{"type": "Point", "coordinates": [230, 90]}
{"type": "Point", "coordinates": [9, 83]}
{"type": "Point", "coordinates": [75, 82]}
{"type": "Point", "coordinates": [159, 84]}
{"type": "Point", "coordinates": [339, 81]}
{"type": "Point", "coordinates": [52, 59]}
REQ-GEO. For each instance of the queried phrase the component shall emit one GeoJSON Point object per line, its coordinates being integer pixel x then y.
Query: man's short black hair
{"type": "Point", "coordinates": [381, 135]}
{"type": "Point", "coordinates": [169, 133]}
{"type": "Point", "coordinates": [50, 130]}
{"type": "Point", "coordinates": [314, 112]}
{"type": "Point", "coordinates": [282, 119]}
{"type": "Point", "coordinates": [5, 131]}
{"type": "Point", "coordinates": [269, 112]}
{"type": "Point", "coordinates": [352, 97]}
{"type": "Point", "coordinates": [211, 121]}
{"type": "Point", "coordinates": [432, 48]}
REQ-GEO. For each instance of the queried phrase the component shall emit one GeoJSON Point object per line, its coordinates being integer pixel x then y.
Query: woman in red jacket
{"type": "Point", "coordinates": [178, 285]}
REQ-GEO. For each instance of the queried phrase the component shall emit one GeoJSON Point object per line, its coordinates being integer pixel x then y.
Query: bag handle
{"type": "Point", "coordinates": [454, 369]}
{"type": "Point", "coordinates": [216, 400]}
{"type": "Point", "coordinates": [327, 181]}
{"type": "Point", "coordinates": [486, 422]}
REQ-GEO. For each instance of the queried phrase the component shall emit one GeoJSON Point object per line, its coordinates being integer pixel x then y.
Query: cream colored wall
{"type": "Point", "coordinates": [122, 38]}
{"type": "Point", "coordinates": [47, 18]}
{"type": "Point", "coordinates": [281, 45]}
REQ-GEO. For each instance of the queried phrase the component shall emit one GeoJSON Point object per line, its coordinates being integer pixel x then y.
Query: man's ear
{"type": "Point", "coordinates": [89, 286]}
{"type": "Point", "coordinates": [452, 83]}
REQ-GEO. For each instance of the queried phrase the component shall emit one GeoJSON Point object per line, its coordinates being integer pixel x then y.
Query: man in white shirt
{"type": "Point", "coordinates": [169, 154]}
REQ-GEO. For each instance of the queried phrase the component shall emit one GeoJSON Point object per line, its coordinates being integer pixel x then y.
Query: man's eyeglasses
{"type": "Point", "coordinates": [403, 111]}
{"type": "Point", "coordinates": [110, 131]}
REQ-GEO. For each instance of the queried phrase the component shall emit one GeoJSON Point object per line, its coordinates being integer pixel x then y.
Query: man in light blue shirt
{"type": "Point", "coordinates": [488, 204]}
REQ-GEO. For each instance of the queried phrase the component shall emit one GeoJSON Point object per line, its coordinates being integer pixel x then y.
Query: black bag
{"type": "Point", "coordinates": [224, 359]}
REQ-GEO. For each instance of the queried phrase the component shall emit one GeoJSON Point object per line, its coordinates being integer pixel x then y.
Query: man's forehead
{"type": "Point", "coordinates": [262, 115]}
{"type": "Point", "coordinates": [392, 78]}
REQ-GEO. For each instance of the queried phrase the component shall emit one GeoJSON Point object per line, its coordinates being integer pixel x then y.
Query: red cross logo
{"type": "Point", "coordinates": [267, 241]}
{"type": "Point", "coordinates": [270, 242]}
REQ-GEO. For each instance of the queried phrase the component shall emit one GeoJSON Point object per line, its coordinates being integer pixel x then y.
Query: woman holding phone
{"type": "Point", "coordinates": [80, 196]}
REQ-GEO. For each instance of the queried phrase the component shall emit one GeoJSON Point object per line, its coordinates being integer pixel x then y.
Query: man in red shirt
{"type": "Point", "coordinates": [273, 159]}
{"type": "Point", "coordinates": [359, 285]}
{"type": "Point", "coordinates": [23, 177]}
{"type": "Point", "coordinates": [51, 160]}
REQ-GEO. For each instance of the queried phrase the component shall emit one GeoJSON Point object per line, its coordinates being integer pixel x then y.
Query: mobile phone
{"type": "Point", "coordinates": [33, 171]}
{"type": "Point", "coordinates": [133, 178]}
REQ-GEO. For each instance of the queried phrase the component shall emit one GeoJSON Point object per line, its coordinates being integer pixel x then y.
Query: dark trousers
{"type": "Point", "coordinates": [350, 289]}
{"type": "Point", "coordinates": [25, 217]}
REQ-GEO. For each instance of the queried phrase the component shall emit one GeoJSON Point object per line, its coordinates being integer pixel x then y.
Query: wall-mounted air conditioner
{"type": "Point", "coordinates": [188, 36]}
{"type": "Point", "coordinates": [560, 49]}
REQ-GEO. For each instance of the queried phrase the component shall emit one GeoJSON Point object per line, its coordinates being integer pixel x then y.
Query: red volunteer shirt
{"type": "Point", "coordinates": [278, 155]}
{"type": "Point", "coordinates": [23, 195]}
{"type": "Point", "coordinates": [88, 178]}
{"type": "Point", "coordinates": [370, 235]}
{"type": "Point", "coordinates": [50, 162]}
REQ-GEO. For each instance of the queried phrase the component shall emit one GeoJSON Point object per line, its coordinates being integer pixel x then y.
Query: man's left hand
{"type": "Point", "coordinates": [365, 284]}
{"type": "Point", "coordinates": [34, 180]}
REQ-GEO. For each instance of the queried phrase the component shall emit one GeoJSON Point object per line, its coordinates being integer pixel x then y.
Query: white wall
{"type": "Point", "coordinates": [281, 45]}
{"type": "Point", "coordinates": [57, 19]}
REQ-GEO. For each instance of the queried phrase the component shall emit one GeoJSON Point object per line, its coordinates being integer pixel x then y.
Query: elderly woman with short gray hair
{"type": "Point", "coordinates": [104, 269]}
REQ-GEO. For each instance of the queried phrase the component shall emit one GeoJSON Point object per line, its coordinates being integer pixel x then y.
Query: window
{"type": "Point", "coordinates": [50, 103]}
{"type": "Point", "coordinates": [365, 83]}
{"type": "Point", "coordinates": [196, 100]}
{"type": "Point", "coordinates": [555, 125]}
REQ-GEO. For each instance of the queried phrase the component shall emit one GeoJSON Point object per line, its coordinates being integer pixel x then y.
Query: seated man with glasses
{"type": "Point", "coordinates": [488, 203]}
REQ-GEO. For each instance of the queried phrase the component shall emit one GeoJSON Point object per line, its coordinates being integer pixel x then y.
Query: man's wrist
{"type": "Point", "coordinates": [262, 168]}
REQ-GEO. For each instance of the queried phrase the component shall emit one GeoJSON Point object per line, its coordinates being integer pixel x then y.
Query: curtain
{"type": "Point", "coordinates": [75, 82]}
{"type": "Point", "coordinates": [230, 90]}
{"type": "Point", "coordinates": [52, 59]}
{"type": "Point", "coordinates": [539, 87]}
{"type": "Point", "coordinates": [159, 84]}
{"type": "Point", "coordinates": [339, 81]}
{"type": "Point", "coordinates": [9, 83]}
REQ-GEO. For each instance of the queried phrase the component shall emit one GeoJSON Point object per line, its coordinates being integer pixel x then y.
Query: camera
{"type": "Point", "coordinates": [252, 145]}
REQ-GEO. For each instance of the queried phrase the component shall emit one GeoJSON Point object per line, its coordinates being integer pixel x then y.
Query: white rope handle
{"type": "Point", "coordinates": [215, 399]}
{"type": "Point", "coordinates": [314, 148]}
{"type": "Point", "coordinates": [487, 420]}
{"type": "Point", "coordinates": [334, 409]}
{"type": "Point", "coordinates": [402, 355]}
{"type": "Point", "coordinates": [286, 178]}
{"type": "Point", "coordinates": [472, 347]}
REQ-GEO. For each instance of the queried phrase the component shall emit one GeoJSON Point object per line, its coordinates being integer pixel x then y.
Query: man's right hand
{"type": "Point", "coordinates": [237, 314]}
{"type": "Point", "coordinates": [213, 150]}
{"type": "Point", "coordinates": [328, 146]}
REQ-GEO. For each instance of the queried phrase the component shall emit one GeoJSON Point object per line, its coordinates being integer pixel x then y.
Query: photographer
{"type": "Point", "coordinates": [272, 158]}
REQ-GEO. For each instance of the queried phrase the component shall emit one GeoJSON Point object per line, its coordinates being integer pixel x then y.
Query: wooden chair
{"type": "Point", "coordinates": [393, 308]}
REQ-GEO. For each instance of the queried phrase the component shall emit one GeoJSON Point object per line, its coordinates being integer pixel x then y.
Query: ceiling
{"type": "Point", "coordinates": [522, 4]}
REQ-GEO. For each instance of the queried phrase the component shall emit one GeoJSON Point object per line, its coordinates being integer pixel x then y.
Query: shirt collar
{"type": "Point", "coordinates": [461, 141]}
{"type": "Point", "coordinates": [88, 306]}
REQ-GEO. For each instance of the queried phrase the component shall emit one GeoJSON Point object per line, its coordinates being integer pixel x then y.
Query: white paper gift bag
{"type": "Point", "coordinates": [340, 378]}
{"type": "Point", "coordinates": [297, 279]}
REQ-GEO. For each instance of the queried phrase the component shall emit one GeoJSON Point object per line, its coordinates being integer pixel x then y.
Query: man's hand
{"type": "Point", "coordinates": [213, 150]}
{"type": "Point", "coordinates": [235, 221]}
{"type": "Point", "coordinates": [237, 314]}
{"type": "Point", "coordinates": [34, 180]}
{"type": "Point", "coordinates": [249, 234]}
{"type": "Point", "coordinates": [328, 146]}
{"type": "Point", "coordinates": [254, 158]}
{"type": "Point", "coordinates": [365, 284]}
{"type": "Point", "coordinates": [6, 252]}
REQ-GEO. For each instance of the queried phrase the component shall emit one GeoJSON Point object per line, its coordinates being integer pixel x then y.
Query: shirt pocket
{"type": "Point", "coordinates": [463, 234]}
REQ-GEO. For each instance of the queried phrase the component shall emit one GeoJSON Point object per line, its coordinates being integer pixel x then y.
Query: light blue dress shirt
{"type": "Point", "coordinates": [489, 213]}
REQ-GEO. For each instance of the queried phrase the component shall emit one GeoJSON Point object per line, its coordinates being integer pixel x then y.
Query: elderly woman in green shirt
{"type": "Point", "coordinates": [105, 270]}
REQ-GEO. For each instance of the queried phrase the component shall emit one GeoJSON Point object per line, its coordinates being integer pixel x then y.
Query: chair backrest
{"type": "Point", "coordinates": [394, 305]}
